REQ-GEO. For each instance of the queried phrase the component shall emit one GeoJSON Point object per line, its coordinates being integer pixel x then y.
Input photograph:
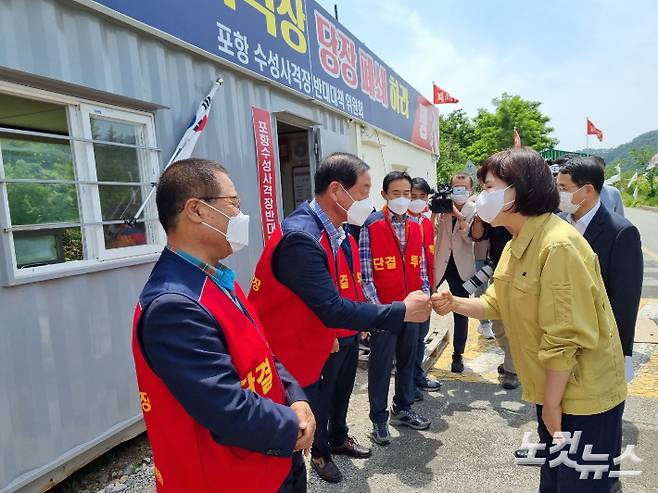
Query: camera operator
{"type": "Point", "coordinates": [454, 261]}
{"type": "Point", "coordinates": [497, 237]}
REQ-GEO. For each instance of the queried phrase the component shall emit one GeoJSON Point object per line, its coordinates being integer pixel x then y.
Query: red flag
{"type": "Point", "coordinates": [517, 138]}
{"type": "Point", "coordinates": [592, 130]}
{"type": "Point", "coordinates": [443, 97]}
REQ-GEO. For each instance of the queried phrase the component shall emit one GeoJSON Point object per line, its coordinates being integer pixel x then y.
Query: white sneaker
{"type": "Point", "coordinates": [485, 329]}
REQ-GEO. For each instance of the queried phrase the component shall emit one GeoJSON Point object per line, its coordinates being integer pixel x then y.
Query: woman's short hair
{"type": "Point", "coordinates": [525, 170]}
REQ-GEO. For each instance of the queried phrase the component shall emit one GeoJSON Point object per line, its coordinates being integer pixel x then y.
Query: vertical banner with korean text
{"type": "Point", "coordinates": [266, 170]}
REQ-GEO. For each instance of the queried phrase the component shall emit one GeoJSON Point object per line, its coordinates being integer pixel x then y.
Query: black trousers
{"type": "Point", "coordinates": [602, 431]}
{"type": "Point", "coordinates": [295, 482]}
{"type": "Point", "coordinates": [336, 387]}
{"type": "Point", "coordinates": [384, 348]}
{"type": "Point", "coordinates": [419, 374]}
{"type": "Point", "coordinates": [461, 322]}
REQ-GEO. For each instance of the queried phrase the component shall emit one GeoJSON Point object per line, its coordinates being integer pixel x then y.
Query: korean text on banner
{"type": "Point", "coordinates": [266, 170]}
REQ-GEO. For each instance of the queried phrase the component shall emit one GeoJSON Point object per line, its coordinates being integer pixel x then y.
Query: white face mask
{"type": "Point", "coordinates": [460, 199]}
{"type": "Point", "coordinates": [400, 205]}
{"type": "Point", "coordinates": [566, 203]}
{"type": "Point", "coordinates": [489, 204]}
{"type": "Point", "coordinates": [237, 232]}
{"type": "Point", "coordinates": [417, 206]}
{"type": "Point", "coordinates": [358, 212]}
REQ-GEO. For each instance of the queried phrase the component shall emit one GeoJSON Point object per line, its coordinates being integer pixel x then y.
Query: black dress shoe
{"type": "Point", "coordinates": [522, 453]}
{"type": "Point", "coordinates": [510, 381]}
{"type": "Point", "coordinates": [457, 363]}
{"type": "Point", "coordinates": [352, 448]}
{"type": "Point", "coordinates": [429, 385]}
{"type": "Point", "coordinates": [326, 469]}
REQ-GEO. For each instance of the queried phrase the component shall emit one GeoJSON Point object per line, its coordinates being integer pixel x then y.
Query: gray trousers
{"type": "Point", "coordinates": [503, 343]}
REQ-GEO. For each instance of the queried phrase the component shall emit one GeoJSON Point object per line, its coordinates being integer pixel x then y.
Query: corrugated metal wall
{"type": "Point", "coordinates": [66, 370]}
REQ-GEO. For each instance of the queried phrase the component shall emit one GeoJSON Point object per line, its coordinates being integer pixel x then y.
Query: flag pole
{"type": "Point", "coordinates": [586, 133]}
{"type": "Point", "coordinates": [132, 221]}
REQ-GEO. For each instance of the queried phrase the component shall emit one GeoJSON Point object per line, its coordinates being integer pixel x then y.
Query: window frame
{"type": "Point", "coordinates": [97, 256]}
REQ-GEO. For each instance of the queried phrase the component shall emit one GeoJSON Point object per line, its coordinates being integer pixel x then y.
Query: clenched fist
{"type": "Point", "coordinates": [418, 307]}
{"type": "Point", "coordinates": [443, 303]}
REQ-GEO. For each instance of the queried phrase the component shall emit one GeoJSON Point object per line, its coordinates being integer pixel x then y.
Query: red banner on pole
{"type": "Point", "coordinates": [266, 173]}
{"type": "Point", "coordinates": [592, 130]}
{"type": "Point", "coordinates": [442, 97]}
{"type": "Point", "coordinates": [517, 138]}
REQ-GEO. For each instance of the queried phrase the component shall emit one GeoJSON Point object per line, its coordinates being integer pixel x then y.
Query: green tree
{"type": "Point", "coordinates": [642, 156]}
{"type": "Point", "coordinates": [495, 131]}
{"type": "Point", "coordinates": [457, 134]}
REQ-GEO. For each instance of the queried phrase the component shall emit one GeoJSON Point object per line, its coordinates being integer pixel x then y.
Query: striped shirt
{"type": "Point", "coordinates": [335, 234]}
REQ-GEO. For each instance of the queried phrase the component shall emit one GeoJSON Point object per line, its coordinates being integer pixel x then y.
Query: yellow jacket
{"type": "Point", "coordinates": [549, 293]}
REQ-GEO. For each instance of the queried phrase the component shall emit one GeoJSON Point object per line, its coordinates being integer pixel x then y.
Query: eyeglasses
{"type": "Point", "coordinates": [233, 200]}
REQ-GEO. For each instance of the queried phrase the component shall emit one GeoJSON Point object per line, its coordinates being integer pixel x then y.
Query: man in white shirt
{"type": "Point", "coordinates": [582, 223]}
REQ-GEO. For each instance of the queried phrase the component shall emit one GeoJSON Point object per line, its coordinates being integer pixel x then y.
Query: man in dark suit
{"type": "Point", "coordinates": [613, 238]}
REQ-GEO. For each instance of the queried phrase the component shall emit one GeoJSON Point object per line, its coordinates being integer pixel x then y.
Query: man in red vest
{"type": "Point", "coordinates": [221, 413]}
{"type": "Point", "coordinates": [307, 285]}
{"type": "Point", "coordinates": [392, 266]}
{"type": "Point", "coordinates": [418, 210]}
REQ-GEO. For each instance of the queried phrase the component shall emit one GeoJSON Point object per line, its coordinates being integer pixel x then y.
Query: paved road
{"type": "Point", "coordinates": [647, 223]}
{"type": "Point", "coordinates": [476, 425]}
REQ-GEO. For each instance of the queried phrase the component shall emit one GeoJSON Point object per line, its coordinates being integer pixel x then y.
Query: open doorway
{"type": "Point", "coordinates": [295, 165]}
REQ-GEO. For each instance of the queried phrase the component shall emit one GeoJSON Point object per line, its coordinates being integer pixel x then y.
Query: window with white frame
{"type": "Point", "coordinates": [72, 177]}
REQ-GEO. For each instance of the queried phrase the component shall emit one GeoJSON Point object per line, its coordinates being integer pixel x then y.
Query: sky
{"type": "Point", "coordinates": [580, 58]}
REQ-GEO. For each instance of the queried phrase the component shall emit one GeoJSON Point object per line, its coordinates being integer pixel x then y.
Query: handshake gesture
{"type": "Point", "coordinates": [418, 307]}
{"type": "Point", "coordinates": [306, 430]}
{"type": "Point", "coordinates": [443, 303]}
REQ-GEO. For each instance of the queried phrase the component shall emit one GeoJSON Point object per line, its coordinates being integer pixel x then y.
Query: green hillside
{"type": "Point", "coordinates": [647, 140]}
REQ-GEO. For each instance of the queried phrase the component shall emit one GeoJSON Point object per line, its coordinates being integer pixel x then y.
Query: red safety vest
{"type": "Point", "coordinates": [395, 274]}
{"type": "Point", "coordinates": [296, 335]}
{"type": "Point", "coordinates": [349, 282]}
{"type": "Point", "coordinates": [186, 457]}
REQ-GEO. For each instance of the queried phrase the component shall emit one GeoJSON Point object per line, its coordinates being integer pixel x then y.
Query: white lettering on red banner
{"type": "Point", "coordinates": [266, 172]}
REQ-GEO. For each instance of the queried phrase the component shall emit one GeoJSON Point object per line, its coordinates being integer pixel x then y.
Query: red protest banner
{"type": "Point", "coordinates": [593, 130]}
{"type": "Point", "coordinates": [442, 96]}
{"type": "Point", "coordinates": [517, 138]}
{"type": "Point", "coordinates": [266, 174]}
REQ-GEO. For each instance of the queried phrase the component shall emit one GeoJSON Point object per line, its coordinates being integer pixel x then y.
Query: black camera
{"type": "Point", "coordinates": [481, 277]}
{"type": "Point", "coordinates": [440, 202]}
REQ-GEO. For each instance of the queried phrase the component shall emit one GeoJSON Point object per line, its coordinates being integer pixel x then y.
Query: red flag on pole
{"type": "Point", "coordinates": [592, 130]}
{"type": "Point", "coordinates": [443, 97]}
{"type": "Point", "coordinates": [517, 138]}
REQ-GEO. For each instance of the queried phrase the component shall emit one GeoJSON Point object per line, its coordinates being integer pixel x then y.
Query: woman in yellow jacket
{"type": "Point", "coordinates": [549, 293]}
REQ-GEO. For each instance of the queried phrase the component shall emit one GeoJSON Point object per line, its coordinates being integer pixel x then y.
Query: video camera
{"type": "Point", "coordinates": [481, 277]}
{"type": "Point", "coordinates": [440, 202]}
